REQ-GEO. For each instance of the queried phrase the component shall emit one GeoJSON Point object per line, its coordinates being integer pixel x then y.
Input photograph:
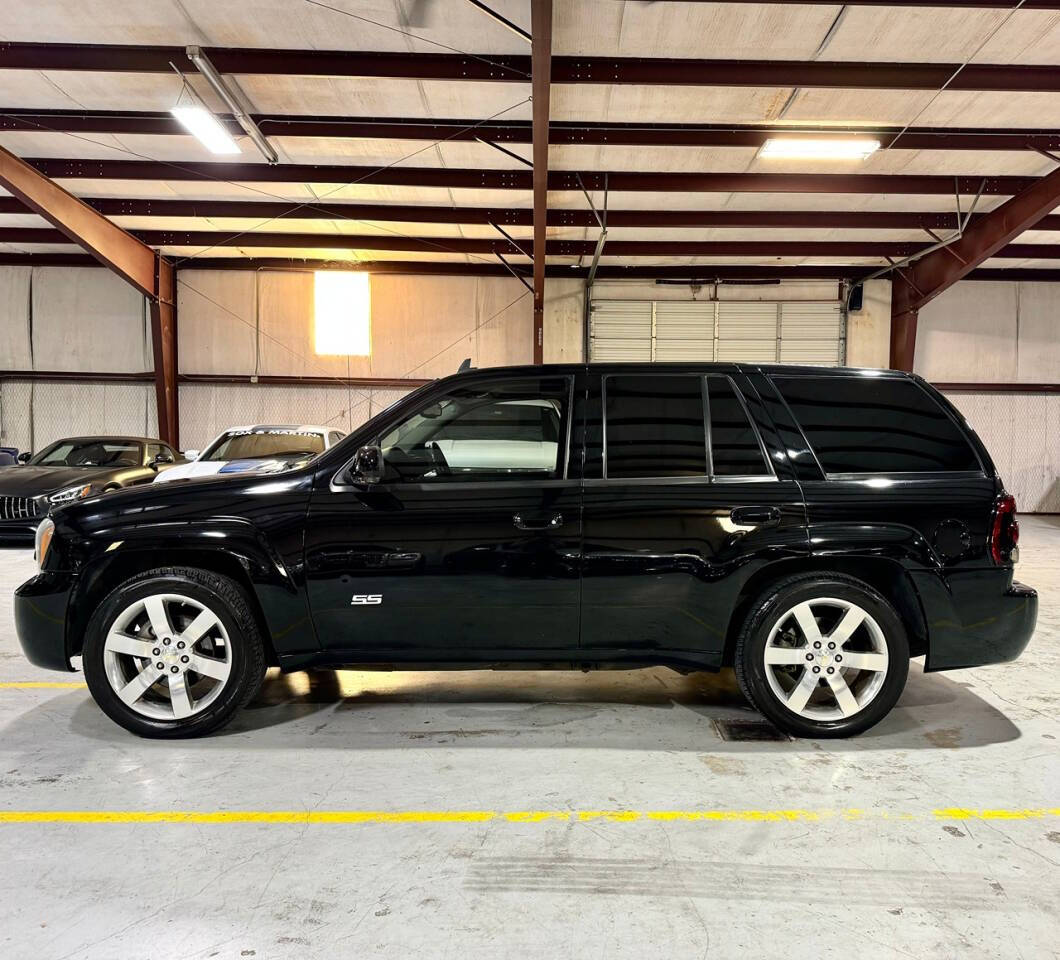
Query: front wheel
{"type": "Point", "coordinates": [173, 652]}
{"type": "Point", "coordinates": [822, 655]}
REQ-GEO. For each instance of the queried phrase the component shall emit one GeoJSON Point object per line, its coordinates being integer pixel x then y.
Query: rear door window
{"type": "Point", "coordinates": [735, 450]}
{"type": "Point", "coordinates": [654, 427]}
{"type": "Point", "coordinates": [867, 424]}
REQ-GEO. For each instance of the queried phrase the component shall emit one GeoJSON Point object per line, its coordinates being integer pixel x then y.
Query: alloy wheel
{"type": "Point", "coordinates": [826, 659]}
{"type": "Point", "coordinates": [167, 656]}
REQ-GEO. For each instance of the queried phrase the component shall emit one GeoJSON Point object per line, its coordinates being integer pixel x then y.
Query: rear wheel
{"type": "Point", "coordinates": [822, 656]}
{"type": "Point", "coordinates": [173, 652]}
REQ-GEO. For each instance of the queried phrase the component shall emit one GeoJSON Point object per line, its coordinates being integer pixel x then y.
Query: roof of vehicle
{"type": "Point", "coordinates": [302, 427]}
{"type": "Point", "coordinates": [108, 439]}
{"type": "Point", "coordinates": [767, 368]}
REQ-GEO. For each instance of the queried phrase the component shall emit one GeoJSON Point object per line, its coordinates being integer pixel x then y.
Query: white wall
{"type": "Point", "coordinates": [1000, 333]}
{"type": "Point", "coordinates": [72, 319]}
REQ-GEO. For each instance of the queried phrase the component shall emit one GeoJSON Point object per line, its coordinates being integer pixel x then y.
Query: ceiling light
{"type": "Point", "coordinates": [818, 148]}
{"type": "Point", "coordinates": [203, 125]}
{"type": "Point", "coordinates": [342, 313]}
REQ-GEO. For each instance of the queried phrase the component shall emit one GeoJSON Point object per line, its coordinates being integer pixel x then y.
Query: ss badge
{"type": "Point", "coordinates": [366, 599]}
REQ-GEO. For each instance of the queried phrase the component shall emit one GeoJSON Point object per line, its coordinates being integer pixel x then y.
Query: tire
{"type": "Point", "coordinates": [792, 626]}
{"type": "Point", "coordinates": [152, 687]}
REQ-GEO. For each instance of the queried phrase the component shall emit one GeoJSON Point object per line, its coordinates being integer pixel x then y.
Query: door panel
{"type": "Point", "coordinates": [454, 573]}
{"type": "Point", "coordinates": [665, 558]}
{"type": "Point", "coordinates": [470, 547]}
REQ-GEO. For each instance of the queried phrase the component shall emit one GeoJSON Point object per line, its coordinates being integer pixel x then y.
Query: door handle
{"type": "Point", "coordinates": [753, 516]}
{"type": "Point", "coordinates": [538, 523]}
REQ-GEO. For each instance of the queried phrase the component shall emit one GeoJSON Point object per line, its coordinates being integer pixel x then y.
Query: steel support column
{"type": "Point", "coordinates": [921, 281]}
{"type": "Point", "coordinates": [541, 69]}
{"type": "Point", "coordinates": [129, 258]}
{"type": "Point", "coordinates": [164, 345]}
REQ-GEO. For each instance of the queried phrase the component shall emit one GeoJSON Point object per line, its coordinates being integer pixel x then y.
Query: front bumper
{"type": "Point", "coordinates": [976, 617]}
{"type": "Point", "coordinates": [40, 619]}
{"type": "Point", "coordinates": [19, 531]}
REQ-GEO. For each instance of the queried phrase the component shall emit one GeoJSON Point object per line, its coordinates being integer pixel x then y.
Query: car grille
{"type": "Point", "coordinates": [21, 508]}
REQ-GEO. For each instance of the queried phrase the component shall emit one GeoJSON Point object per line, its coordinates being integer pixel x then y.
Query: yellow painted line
{"type": "Point", "coordinates": [961, 813]}
{"type": "Point", "coordinates": [302, 817]}
{"type": "Point", "coordinates": [42, 684]}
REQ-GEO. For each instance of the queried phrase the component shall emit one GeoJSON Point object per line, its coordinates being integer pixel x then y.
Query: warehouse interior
{"type": "Point", "coordinates": [515, 182]}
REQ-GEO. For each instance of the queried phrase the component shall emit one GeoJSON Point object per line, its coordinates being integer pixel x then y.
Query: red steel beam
{"type": "Point", "coordinates": [522, 179]}
{"type": "Point", "coordinates": [553, 248]}
{"type": "Point", "coordinates": [541, 55]}
{"type": "Point", "coordinates": [520, 131]}
{"type": "Point", "coordinates": [164, 345]}
{"type": "Point", "coordinates": [919, 283]}
{"type": "Point", "coordinates": [129, 258]}
{"type": "Point", "coordinates": [703, 272]}
{"type": "Point", "coordinates": [520, 216]}
{"type": "Point", "coordinates": [508, 68]}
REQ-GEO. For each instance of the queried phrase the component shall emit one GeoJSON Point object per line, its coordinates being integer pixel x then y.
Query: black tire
{"type": "Point", "coordinates": [228, 601]}
{"type": "Point", "coordinates": [764, 614]}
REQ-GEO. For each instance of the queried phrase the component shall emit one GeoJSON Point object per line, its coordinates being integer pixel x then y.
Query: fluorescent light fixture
{"type": "Point", "coordinates": [342, 309]}
{"type": "Point", "coordinates": [818, 148]}
{"type": "Point", "coordinates": [203, 125]}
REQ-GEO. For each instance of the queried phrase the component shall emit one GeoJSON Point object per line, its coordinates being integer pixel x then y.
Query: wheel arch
{"type": "Point", "coordinates": [884, 574]}
{"type": "Point", "coordinates": [101, 578]}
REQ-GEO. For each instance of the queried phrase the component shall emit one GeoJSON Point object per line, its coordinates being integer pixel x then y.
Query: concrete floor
{"type": "Point", "coordinates": [800, 849]}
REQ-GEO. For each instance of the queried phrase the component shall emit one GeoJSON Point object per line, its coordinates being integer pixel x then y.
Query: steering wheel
{"type": "Point", "coordinates": [437, 459]}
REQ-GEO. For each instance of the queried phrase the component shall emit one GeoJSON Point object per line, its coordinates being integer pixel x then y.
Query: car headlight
{"type": "Point", "coordinates": [45, 531]}
{"type": "Point", "coordinates": [71, 493]}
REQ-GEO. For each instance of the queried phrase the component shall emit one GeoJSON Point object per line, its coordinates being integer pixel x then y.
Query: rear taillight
{"type": "Point", "coordinates": [1005, 532]}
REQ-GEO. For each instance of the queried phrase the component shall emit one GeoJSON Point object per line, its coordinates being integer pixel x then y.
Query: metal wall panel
{"type": "Point", "coordinates": [1022, 433]}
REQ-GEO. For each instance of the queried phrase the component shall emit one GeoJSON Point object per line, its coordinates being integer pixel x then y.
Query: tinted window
{"type": "Point", "coordinates": [503, 431]}
{"type": "Point", "coordinates": [875, 425]}
{"type": "Point", "coordinates": [654, 427]}
{"type": "Point", "coordinates": [734, 447]}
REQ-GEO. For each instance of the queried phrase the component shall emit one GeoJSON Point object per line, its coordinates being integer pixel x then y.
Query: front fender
{"type": "Point", "coordinates": [232, 546]}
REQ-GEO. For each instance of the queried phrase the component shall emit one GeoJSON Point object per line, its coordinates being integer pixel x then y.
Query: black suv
{"type": "Point", "coordinates": [812, 528]}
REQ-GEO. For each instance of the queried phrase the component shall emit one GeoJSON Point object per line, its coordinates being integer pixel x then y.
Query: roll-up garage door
{"type": "Point", "coordinates": [732, 331]}
{"type": "Point", "coordinates": [621, 331]}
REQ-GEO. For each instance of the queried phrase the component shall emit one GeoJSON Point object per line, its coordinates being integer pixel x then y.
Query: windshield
{"type": "Point", "coordinates": [266, 443]}
{"type": "Point", "coordinates": [90, 453]}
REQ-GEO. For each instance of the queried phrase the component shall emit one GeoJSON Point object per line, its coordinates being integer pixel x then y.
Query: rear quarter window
{"type": "Point", "coordinates": [876, 425]}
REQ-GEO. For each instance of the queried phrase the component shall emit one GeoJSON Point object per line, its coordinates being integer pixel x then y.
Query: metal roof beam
{"type": "Point", "coordinates": [492, 179]}
{"type": "Point", "coordinates": [520, 131]}
{"type": "Point", "coordinates": [517, 69]}
{"type": "Point", "coordinates": [553, 248]}
{"type": "Point", "coordinates": [702, 273]}
{"type": "Point", "coordinates": [523, 216]}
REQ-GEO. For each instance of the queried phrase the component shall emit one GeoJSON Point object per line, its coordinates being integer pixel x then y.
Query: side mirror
{"type": "Point", "coordinates": [367, 465]}
{"type": "Point", "coordinates": [192, 454]}
{"type": "Point", "coordinates": [24, 456]}
{"type": "Point", "coordinates": [161, 460]}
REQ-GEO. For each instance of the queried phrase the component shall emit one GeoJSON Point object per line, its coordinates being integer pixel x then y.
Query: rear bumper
{"type": "Point", "coordinates": [976, 617]}
{"type": "Point", "coordinates": [40, 619]}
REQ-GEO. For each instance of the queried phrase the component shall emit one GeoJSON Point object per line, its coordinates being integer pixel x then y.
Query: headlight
{"type": "Point", "coordinates": [45, 530]}
{"type": "Point", "coordinates": [70, 493]}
